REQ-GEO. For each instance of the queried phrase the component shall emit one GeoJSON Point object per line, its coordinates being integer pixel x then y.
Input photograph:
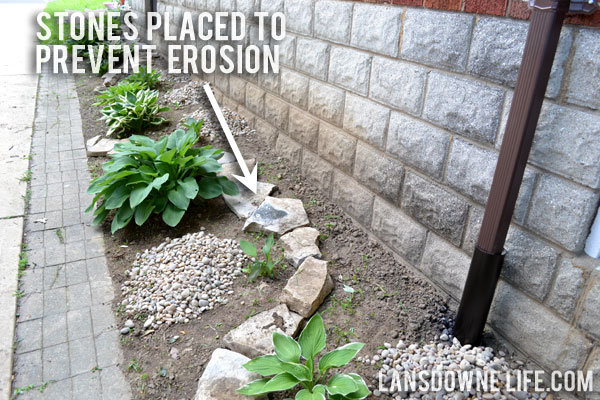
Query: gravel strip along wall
{"type": "Point", "coordinates": [397, 113]}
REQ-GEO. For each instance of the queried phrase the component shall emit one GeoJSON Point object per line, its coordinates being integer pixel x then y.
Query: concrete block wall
{"type": "Point", "coordinates": [397, 113]}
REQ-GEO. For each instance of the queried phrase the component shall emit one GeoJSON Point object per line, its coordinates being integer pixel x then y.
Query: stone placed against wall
{"type": "Point", "coordinates": [403, 132]}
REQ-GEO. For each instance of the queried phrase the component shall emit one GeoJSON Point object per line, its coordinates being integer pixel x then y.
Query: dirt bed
{"type": "Point", "coordinates": [390, 301]}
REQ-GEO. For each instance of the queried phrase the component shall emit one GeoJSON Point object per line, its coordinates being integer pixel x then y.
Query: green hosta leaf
{"type": "Point", "coordinates": [340, 356]}
{"type": "Point", "coordinates": [280, 382]}
{"type": "Point", "coordinates": [264, 365]}
{"type": "Point", "coordinates": [286, 348]}
{"type": "Point", "coordinates": [209, 188]}
{"type": "Point", "coordinates": [268, 245]}
{"type": "Point", "coordinates": [101, 216]}
{"type": "Point", "coordinates": [142, 212]}
{"type": "Point", "coordinates": [172, 215]}
{"type": "Point", "coordinates": [122, 218]}
{"type": "Point", "coordinates": [117, 198]}
{"type": "Point", "coordinates": [318, 393]}
{"type": "Point", "coordinates": [248, 248]}
{"type": "Point", "coordinates": [190, 187]}
{"type": "Point", "coordinates": [139, 194]}
{"type": "Point", "coordinates": [362, 391]}
{"type": "Point", "coordinates": [298, 371]}
{"type": "Point", "coordinates": [341, 384]}
{"type": "Point", "coordinates": [313, 338]}
{"type": "Point", "coordinates": [211, 166]}
{"type": "Point", "coordinates": [158, 182]}
{"type": "Point", "coordinates": [229, 188]}
{"type": "Point", "coordinates": [254, 388]}
{"type": "Point", "coordinates": [178, 198]}
{"type": "Point", "coordinates": [167, 156]}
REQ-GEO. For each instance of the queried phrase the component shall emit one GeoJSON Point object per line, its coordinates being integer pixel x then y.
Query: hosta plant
{"type": "Point", "coordinates": [259, 267]}
{"type": "Point", "coordinates": [161, 177]}
{"type": "Point", "coordinates": [285, 369]}
{"type": "Point", "coordinates": [148, 79]}
{"type": "Point", "coordinates": [131, 113]}
{"type": "Point", "coordinates": [112, 94]}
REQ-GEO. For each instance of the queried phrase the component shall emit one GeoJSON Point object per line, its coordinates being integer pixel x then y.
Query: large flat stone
{"type": "Point", "coordinates": [254, 337]}
{"type": "Point", "coordinates": [308, 287]}
{"type": "Point", "coordinates": [277, 216]}
{"type": "Point", "coordinates": [223, 375]}
{"type": "Point", "coordinates": [100, 146]}
{"type": "Point", "coordinates": [300, 244]}
{"type": "Point", "coordinates": [245, 203]}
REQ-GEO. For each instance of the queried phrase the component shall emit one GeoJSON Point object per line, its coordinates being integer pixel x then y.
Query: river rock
{"type": "Point", "coordinates": [308, 287]}
{"type": "Point", "coordinates": [245, 203]}
{"type": "Point", "coordinates": [223, 375]}
{"type": "Point", "coordinates": [227, 158]}
{"type": "Point", "coordinates": [277, 216]}
{"type": "Point", "coordinates": [254, 337]}
{"type": "Point", "coordinates": [300, 244]}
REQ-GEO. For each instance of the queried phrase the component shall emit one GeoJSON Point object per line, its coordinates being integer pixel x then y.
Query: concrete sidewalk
{"type": "Point", "coordinates": [18, 85]}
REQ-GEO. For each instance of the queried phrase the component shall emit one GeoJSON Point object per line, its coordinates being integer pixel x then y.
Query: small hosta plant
{"type": "Point", "coordinates": [284, 370]}
{"type": "Point", "coordinates": [148, 79]}
{"type": "Point", "coordinates": [160, 177]}
{"type": "Point", "coordinates": [259, 267]}
{"type": "Point", "coordinates": [110, 95]}
{"type": "Point", "coordinates": [131, 113]}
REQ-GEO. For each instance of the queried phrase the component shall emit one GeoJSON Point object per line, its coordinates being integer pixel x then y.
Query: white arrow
{"type": "Point", "coordinates": [249, 179]}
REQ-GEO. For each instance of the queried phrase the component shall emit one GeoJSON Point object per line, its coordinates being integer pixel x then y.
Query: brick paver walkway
{"type": "Point", "coordinates": [66, 336]}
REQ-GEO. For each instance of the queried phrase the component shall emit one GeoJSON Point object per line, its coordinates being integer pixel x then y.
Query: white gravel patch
{"type": "Point", "coordinates": [443, 361]}
{"type": "Point", "coordinates": [181, 278]}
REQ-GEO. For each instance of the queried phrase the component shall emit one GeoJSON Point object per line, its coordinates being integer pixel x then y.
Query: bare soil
{"type": "Point", "coordinates": [391, 302]}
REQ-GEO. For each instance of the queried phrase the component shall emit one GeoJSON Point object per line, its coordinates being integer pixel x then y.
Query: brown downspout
{"type": "Point", "coordinates": [542, 40]}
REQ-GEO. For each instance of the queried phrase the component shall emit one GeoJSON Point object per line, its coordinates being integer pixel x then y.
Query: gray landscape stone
{"type": "Point", "coordinates": [333, 20]}
{"type": "Point", "coordinates": [584, 84]}
{"type": "Point", "coordinates": [276, 112]}
{"type": "Point", "coordinates": [233, 168]}
{"type": "Point", "coordinates": [408, 241]}
{"type": "Point", "coordinates": [289, 149]}
{"type": "Point", "coordinates": [349, 69]}
{"type": "Point", "coordinates": [304, 129]}
{"type": "Point", "coordinates": [558, 345]}
{"type": "Point", "coordinates": [371, 129]}
{"type": "Point", "coordinates": [100, 146]}
{"type": "Point", "coordinates": [353, 198]}
{"type": "Point", "coordinates": [529, 262]}
{"type": "Point", "coordinates": [588, 319]}
{"type": "Point", "coordinates": [568, 285]}
{"type": "Point", "coordinates": [435, 207]}
{"type": "Point", "coordinates": [398, 84]}
{"type": "Point", "coordinates": [377, 28]}
{"type": "Point", "coordinates": [497, 49]}
{"type": "Point", "coordinates": [472, 229]}
{"type": "Point", "coordinates": [110, 79]}
{"type": "Point", "coordinates": [302, 10]}
{"type": "Point", "coordinates": [277, 216]}
{"type": "Point", "coordinates": [254, 337]}
{"type": "Point", "coordinates": [312, 57]}
{"type": "Point", "coordinates": [381, 174]}
{"type": "Point", "coordinates": [465, 106]}
{"type": "Point", "coordinates": [317, 171]}
{"type": "Point", "coordinates": [562, 211]}
{"type": "Point", "coordinates": [418, 143]}
{"type": "Point", "coordinates": [446, 265]}
{"type": "Point", "coordinates": [566, 142]}
{"type": "Point", "coordinates": [300, 244]}
{"type": "Point", "coordinates": [326, 101]}
{"type": "Point", "coordinates": [227, 158]}
{"type": "Point", "coordinates": [471, 169]}
{"type": "Point", "coordinates": [336, 147]}
{"type": "Point", "coordinates": [294, 88]}
{"type": "Point", "coordinates": [223, 375]}
{"type": "Point", "coordinates": [245, 203]}
{"type": "Point", "coordinates": [439, 39]}
{"type": "Point", "coordinates": [308, 287]}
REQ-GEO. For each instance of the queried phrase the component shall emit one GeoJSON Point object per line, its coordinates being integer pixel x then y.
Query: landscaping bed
{"type": "Point", "coordinates": [389, 301]}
